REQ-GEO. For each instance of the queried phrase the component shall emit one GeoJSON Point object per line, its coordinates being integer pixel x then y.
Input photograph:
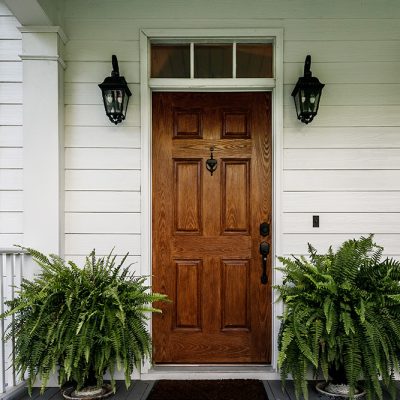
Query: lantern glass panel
{"type": "Point", "coordinates": [119, 96]}
{"type": "Point", "coordinates": [116, 102]}
{"type": "Point", "coordinates": [125, 104]}
{"type": "Point", "coordinates": [297, 103]}
{"type": "Point", "coordinates": [109, 101]}
{"type": "Point", "coordinates": [307, 101]}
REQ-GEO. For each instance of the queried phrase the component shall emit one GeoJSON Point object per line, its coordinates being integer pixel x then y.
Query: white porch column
{"type": "Point", "coordinates": [43, 132]}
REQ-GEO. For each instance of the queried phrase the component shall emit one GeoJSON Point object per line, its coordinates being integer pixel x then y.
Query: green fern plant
{"type": "Point", "coordinates": [80, 321]}
{"type": "Point", "coordinates": [342, 311]}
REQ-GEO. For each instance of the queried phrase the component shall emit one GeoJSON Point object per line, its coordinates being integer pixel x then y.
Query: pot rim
{"type": "Point", "coordinates": [320, 386]}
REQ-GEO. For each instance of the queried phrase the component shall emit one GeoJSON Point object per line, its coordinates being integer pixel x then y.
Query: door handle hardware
{"type": "Point", "coordinates": [211, 163]}
{"type": "Point", "coordinates": [264, 229]}
{"type": "Point", "coordinates": [264, 251]}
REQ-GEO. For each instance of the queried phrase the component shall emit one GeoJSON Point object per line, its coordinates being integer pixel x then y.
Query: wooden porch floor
{"type": "Point", "coordinates": [140, 390]}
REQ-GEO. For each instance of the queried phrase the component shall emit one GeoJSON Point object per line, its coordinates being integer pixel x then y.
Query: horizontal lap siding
{"type": "Point", "coordinates": [11, 140]}
{"type": "Point", "coordinates": [228, 9]}
{"type": "Point", "coordinates": [344, 166]}
{"type": "Point", "coordinates": [102, 161]}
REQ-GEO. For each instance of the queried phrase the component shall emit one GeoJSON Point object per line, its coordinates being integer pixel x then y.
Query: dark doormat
{"type": "Point", "coordinates": [232, 389]}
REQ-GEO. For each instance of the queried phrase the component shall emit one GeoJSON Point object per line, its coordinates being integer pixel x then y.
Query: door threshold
{"type": "Point", "coordinates": [212, 371]}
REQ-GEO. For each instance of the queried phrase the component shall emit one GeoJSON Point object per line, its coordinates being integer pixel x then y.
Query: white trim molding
{"type": "Point", "coordinates": [24, 57]}
{"type": "Point", "coordinates": [227, 84]}
{"type": "Point", "coordinates": [44, 43]}
{"type": "Point", "coordinates": [274, 85]}
{"type": "Point", "coordinates": [45, 29]}
{"type": "Point", "coordinates": [43, 132]}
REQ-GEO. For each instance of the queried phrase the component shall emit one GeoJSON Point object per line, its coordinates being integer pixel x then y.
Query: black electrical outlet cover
{"type": "Point", "coordinates": [315, 221]}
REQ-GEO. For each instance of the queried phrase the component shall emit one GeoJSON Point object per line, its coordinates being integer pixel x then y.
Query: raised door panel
{"type": "Point", "coordinates": [235, 196]}
{"type": "Point", "coordinates": [187, 196]}
{"type": "Point", "coordinates": [236, 124]}
{"type": "Point", "coordinates": [187, 123]}
{"type": "Point", "coordinates": [235, 301]}
{"type": "Point", "coordinates": [187, 296]}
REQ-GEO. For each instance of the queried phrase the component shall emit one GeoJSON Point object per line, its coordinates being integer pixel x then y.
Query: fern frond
{"type": "Point", "coordinates": [81, 320]}
{"type": "Point", "coordinates": [342, 308]}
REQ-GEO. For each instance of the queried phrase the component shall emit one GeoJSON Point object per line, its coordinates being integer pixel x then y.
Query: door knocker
{"type": "Point", "coordinates": [211, 164]}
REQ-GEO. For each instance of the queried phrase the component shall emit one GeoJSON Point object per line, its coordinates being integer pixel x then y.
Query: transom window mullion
{"type": "Point", "coordinates": [191, 60]}
{"type": "Point", "coordinates": [234, 60]}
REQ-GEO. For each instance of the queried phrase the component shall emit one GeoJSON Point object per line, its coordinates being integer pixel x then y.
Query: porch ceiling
{"type": "Point", "coordinates": [35, 12]}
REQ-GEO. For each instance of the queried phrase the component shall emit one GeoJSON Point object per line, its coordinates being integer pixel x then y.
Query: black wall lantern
{"type": "Point", "coordinates": [116, 94]}
{"type": "Point", "coordinates": [307, 93]}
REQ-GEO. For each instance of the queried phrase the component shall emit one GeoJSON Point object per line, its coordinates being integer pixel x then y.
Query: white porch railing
{"type": "Point", "coordinates": [12, 267]}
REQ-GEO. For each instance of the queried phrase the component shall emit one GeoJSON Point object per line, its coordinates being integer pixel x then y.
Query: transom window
{"type": "Point", "coordinates": [211, 60]}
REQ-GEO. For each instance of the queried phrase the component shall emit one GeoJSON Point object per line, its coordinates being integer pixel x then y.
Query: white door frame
{"type": "Point", "coordinates": [147, 86]}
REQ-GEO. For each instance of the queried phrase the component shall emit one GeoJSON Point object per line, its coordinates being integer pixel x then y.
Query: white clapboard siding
{"type": "Point", "coordinates": [297, 243]}
{"type": "Point", "coordinates": [11, 157]}
{"type": "Point", "coordinates": [8, 27]}
{"type": "Point", "coordinates": [11, 136]}
{"type": "Point", "coordinates": [100, 50]}
{"type": "Point", "coordinates": [10, 49]}
{"type": "Point", "coordinates": [342, 51]}
{"type": "Point", "coordinates": [11, 179]}
{"type": "Point", "coordinates": [345, 202]}
{"type": "Point", "coordinates": [233, 9]}
{"type": "Point", "coordinates": [91, 223]}
{"type": "Point", "coordinates": [10, 114]}
{"type": "Point", "coordinates": [341, 180]}
{"type": "Point", "coordinates": [346, 94]}
{"type": "Point", "coordinates": [95, 72]}
{"type": "Point", "coordinates": [345, 72]}
{"type": "Point", "coordinates": [7, 240]}
{"type": "Point", "coordinates": [11, 140]}
{"type": "Point", "coordinates": [104, 29]}
{"type": "Point", "coordinates": [101, 201]}
{"type": "Point", "coordinates": [11, 200]}
{"type": "Point", "coordinates": [11, 71]}
{"type": "Point", "coordinates": [102, 158]}
{"type": "Point", "coordinates": [10, 222]}
{"type": "Point", "coordinates": [349, 223]}
{"type": "Point", "coordinates": [101, 29]}
{"type": "Point", "coordinates": [94, 115]}
{"type": "Point", "coordinates": [342, 159]}
{"type": "Point", "coordinates": [90, 93]}
{"type": "Point", "coordinates": [82, 244]}
{"type": "Point", "coordinates": [308, 137]}
{"type": "Point", "coordinates": [341, 29]}
{"type": "Point", "coordinates": [104, 136]}
{"type": "Point", "coordinates": [295, 29]}
{"type": "Point", "coordinates": [348, 116]}
{"type": "Point", "coordinates": [345, 165]}
{"type": "Point", "coordinates": [111, 180]}
{"type": "Point", "coordinates": [133, 262]}
{"type": "Point", "coordinates": [10, 93]}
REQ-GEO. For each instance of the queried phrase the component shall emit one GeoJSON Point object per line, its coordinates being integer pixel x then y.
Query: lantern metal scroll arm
{"type": "Point", "coordinates": [114, 62]}
{"type": "Point", "coordinates": [116, 93]}
{"type": "Point", "coordinates": [307, 94]}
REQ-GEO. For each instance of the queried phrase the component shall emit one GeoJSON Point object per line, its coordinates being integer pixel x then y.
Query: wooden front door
{"type": "Point", "coordinates": [206, 227]}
